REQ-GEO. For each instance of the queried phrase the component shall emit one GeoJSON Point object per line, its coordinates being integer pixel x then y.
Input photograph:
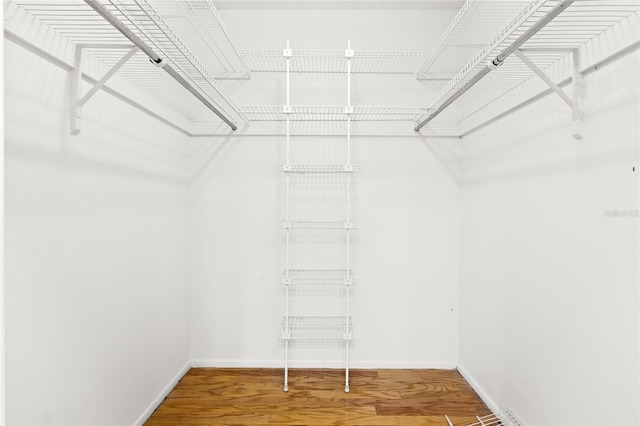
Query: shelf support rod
{"type": "Point", "coordinates": [348, 110]}
{"type": "Point", "coordinates": [153, 56]}
{"type": "Point", "coordinates": [497, 61]}
{"type": "Point", "coordinates": [287, 110]}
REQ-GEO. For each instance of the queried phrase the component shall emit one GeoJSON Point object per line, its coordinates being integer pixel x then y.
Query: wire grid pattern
{"type": "Point", "coordinates": [79, 23]}
{"type": "Point", "coordinates": [317, 328]}
{"type": "Point", "coordinates": [487, 19]}
{"type": "Point", "coordinates": [334, 61]}
{"type": "Point", "coordinates": [199, 24]}
{"type": "Point", "coordinates": [312, 113]}
{"type": "Point", "coordinates": [580, 22]}
{"type": "Point", "coordinates": [501, 419]}
{"type": "Point", "coordinates": [463, 14]}
{"type": "Point", "coordinates": [312, 277]}
{"type": "Point", "coordinates": [316, 224]}
{"type": "Point", "coordinates": [317, 168]}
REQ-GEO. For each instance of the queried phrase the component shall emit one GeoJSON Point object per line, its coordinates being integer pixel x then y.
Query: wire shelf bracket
{"type": "Point", "coordinates": [571, 101]}
{"type": "Point", "coordinates": [76, 104]}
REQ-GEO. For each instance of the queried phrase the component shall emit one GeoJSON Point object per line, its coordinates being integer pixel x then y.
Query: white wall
{"type": "Point", "coordinates": [549, 323]}
{"type": "Point", "coordinates": [405, 252]}
{"type": "Point", "coordinates": [406, 204]}
{"type": "Point", "coordinates": [96, 253]}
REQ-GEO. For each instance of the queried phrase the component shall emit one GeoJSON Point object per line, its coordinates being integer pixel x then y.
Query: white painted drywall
{"type": "Point", "coordinates": [405, 252]}
{"type": "Point", "coordinates": [549, 322]}
{"type": "Point", "coordinates": [96, 253]}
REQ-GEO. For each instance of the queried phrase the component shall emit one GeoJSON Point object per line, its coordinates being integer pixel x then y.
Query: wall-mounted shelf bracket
{"type": "Point", "coordinates": [572, 101]}
{"type": "Point", "coordinates": [76, 104]}
{"type": "Point", "coordinates": [348, 53]}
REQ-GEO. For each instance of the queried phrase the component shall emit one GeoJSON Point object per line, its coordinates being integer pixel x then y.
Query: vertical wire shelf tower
{"type": "Point", "coordinates": [317, 328]}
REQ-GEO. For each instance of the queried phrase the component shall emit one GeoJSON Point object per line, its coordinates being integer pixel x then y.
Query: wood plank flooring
{"type": "Point", "coordinates": [235, 396]}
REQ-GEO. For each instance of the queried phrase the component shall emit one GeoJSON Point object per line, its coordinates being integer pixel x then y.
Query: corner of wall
{"type": "Point", "coordinates": [483, 394]}
{"type": "Point", "coordinates": [162, 395]}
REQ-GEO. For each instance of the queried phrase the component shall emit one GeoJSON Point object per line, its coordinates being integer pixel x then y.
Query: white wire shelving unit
{"type": "Point", "coordinates": [556, 42]}
{"type": "Point", "coordinates": [77, 22]}
{"type": "Point", "coordinates": [191, 37]}
{"type": "Point", "coordinates": [475, 25]}
{"type": "Point", "coordinates": [297, 328]}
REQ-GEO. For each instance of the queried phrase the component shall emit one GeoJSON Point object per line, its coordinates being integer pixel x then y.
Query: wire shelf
{"type": "Point", "coordinates": [318, 168]}
{"type": "Point", "coordinates": [317, 224]}
{"type": "Point", "coordinates": [501, 419]}
{"type": "Point", "coordinates": [80, 24]}
{"type": "Point", "coordinates": [318, 277]}
{"type": "Point", "coordinates": [334, 61]}
{"type": "Point", "coordinates": [317, 328]}
{"type": "Point", "coordinates": [199, 24]}
{"type": "Point", "coordinates": [330, 113]}
{"type": "Point", "coordinates": [463, 14]}
{"type": "Point", "coordinates": [575, 26]}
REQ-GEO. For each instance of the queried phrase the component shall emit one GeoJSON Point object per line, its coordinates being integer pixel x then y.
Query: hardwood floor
{"type": "Point", "coordinates": [219, 396]}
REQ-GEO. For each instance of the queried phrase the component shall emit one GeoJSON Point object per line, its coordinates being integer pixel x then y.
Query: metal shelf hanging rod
{"type": "Point", "coordinates": [109, 17]}
{"type": "Point", "coordinates": [498, 60]}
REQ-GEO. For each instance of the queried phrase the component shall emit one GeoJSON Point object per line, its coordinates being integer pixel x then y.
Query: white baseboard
{"type": "Point", "coordinates": [338, 364]}
{"type": "Point", "coordinates": [479, 390]}
{"type": "Point", "coordinates": [163, 394]}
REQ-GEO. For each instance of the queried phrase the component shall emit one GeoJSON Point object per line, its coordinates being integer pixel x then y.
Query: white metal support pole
{"type": "Point", "coordinates": [577, 82]}
{"type": "Point", "coordinates": [287, 278]}
{"type": "Point", "coordinates": [348, 111]}
{"type": "Point", "coordinates": [74, 89]}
